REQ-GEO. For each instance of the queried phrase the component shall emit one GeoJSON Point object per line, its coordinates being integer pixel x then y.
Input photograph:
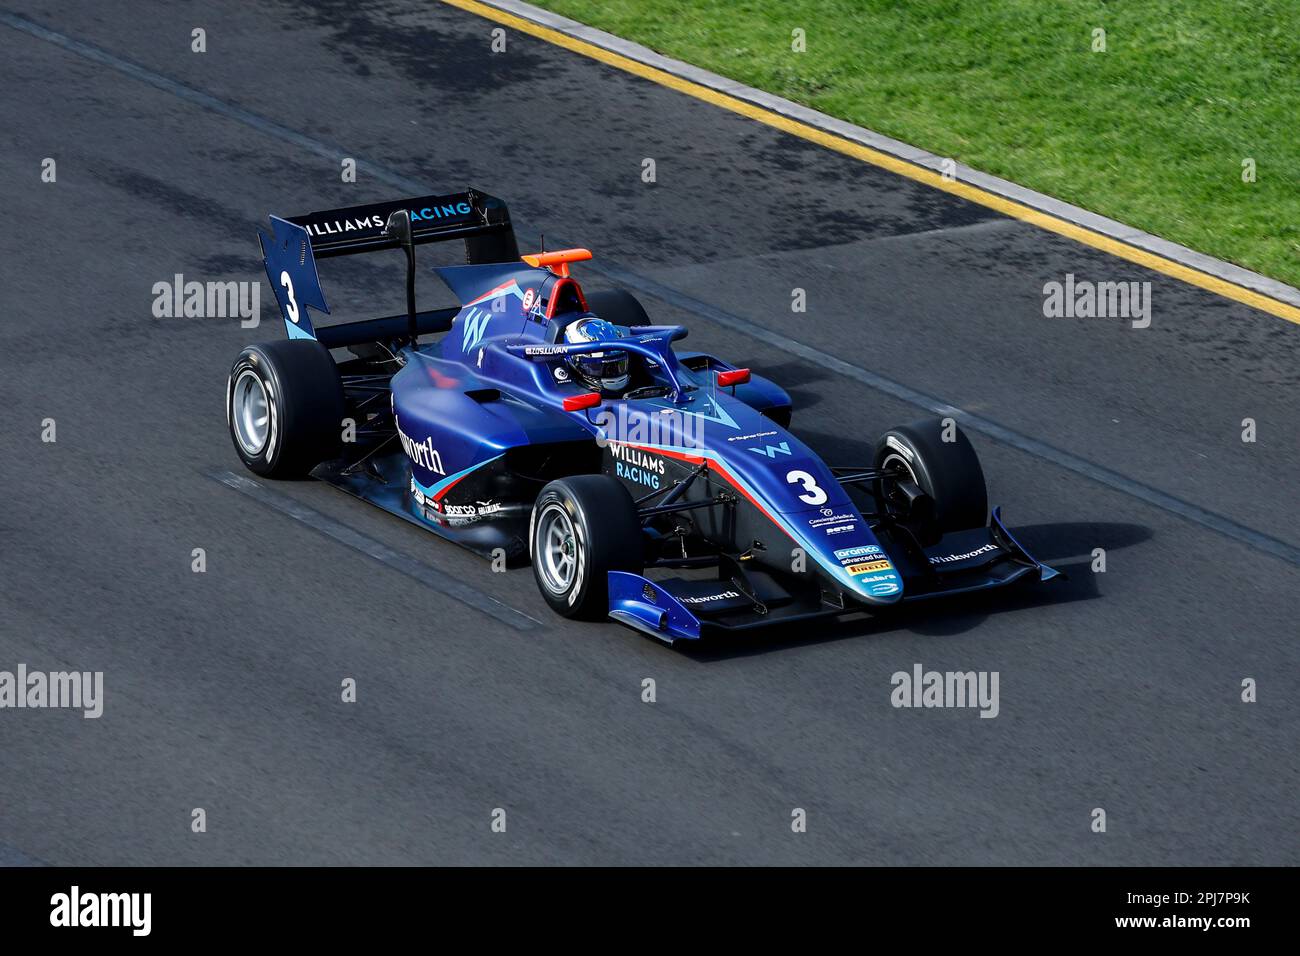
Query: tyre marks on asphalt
{"type": "Point", "coordinates": [912, 163]}
{"type": "Point", "coordinates": [429, 576]}
{"type": "Point", "coordinates": [1171, 504]}
{"type": "Point", "coordinates": [968, 421]}
{"type": "Point", "coordinates": [11, 856]}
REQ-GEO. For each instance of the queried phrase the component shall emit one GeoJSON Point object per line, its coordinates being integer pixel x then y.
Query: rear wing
{"type": "Point", "coordinates": [291, 250]}
{"type": "Point", "coordinates": [481, 220]}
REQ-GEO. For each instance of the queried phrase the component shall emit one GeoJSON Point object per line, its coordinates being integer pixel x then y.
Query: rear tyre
{"type": "Point", "coordinates": [948, 472]}
{"type": "Point", "coordinates": [617, 306]}
{"type": "Point", "coordinates": [582, 528]}
{"type": "Point", "coordinates": [284, 407]}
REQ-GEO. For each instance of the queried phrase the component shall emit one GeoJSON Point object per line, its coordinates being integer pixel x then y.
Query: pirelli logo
{"type": "Point", "coordinates": [870, 567]}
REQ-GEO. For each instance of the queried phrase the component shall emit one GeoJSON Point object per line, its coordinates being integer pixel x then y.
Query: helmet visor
{"type": "Point", "coordinates": [599, 366]}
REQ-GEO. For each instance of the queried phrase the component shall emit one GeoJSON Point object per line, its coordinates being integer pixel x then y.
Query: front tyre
{"type": "Point", "coordinates": [284, 407]}
{"type": "Point", "coordinates": [582, 528]}
{"type": "Point", "coordinates": [942, 463]}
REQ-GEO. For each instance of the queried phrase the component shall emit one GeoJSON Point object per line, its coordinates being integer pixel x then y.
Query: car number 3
{"type": "Point", "coordinates": [812, 492]}
{"type": "Point", "coordinates": [292, 307]}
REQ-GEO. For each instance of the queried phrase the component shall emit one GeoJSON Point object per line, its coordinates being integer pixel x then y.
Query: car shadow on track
{"type": "Point", "coordinates": [795, 377]}
{"type": "Point", "coordinates": [1065, 546]}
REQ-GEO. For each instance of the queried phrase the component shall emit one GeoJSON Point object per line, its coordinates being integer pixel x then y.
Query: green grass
{"type": "Point", "coordinates": [1152, 132]}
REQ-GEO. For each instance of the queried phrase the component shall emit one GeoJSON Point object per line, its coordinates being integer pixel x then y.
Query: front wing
{"type": "Point", "coordinates": [678, 609]}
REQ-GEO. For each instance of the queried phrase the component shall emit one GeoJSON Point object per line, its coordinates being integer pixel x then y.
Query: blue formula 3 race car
{"type": "Point", "coordinates": [535, 422]}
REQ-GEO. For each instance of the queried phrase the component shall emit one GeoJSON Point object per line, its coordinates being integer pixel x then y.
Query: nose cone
{"type": "Point", "coordinates": [868, 572]}
{"type": "Point", "coordinates": [879, 585]}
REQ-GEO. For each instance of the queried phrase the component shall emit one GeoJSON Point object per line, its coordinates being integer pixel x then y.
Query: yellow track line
{"type": "Point", "coordinates": [902, 167]}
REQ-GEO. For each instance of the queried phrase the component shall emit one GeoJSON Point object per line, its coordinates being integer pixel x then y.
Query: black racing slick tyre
{"type": "Point", "coordinates": [617, 306]}
{"type": "Point", "coordinates": [284, 407]}
{"type": "Point", "coordinates": [941, 461]}
{"type": "Point", "coordinates": [582, 528]}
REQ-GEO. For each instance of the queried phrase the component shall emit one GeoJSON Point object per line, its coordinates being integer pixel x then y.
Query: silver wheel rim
{"type": "Point", "coordinates": [892, 460]}
{"type": "Point", "coordinates": [557, 548]}
{"type": "Point", "coordinates": [898, 461]}
{"type": "Point", "coordinates": [250, 413]}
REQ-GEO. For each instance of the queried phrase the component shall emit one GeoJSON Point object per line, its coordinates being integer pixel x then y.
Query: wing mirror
{"type": "Point", "coordinates": [576, 403]}
{"type": "Point", "coordinates": [732, 377]}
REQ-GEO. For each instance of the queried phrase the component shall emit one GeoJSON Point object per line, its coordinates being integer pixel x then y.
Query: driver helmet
{"type": "Point", "coordinates": [605, 370]}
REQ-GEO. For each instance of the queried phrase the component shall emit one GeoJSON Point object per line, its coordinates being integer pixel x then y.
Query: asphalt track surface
{"type": "Point", "coordinates": [1118, 690]}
